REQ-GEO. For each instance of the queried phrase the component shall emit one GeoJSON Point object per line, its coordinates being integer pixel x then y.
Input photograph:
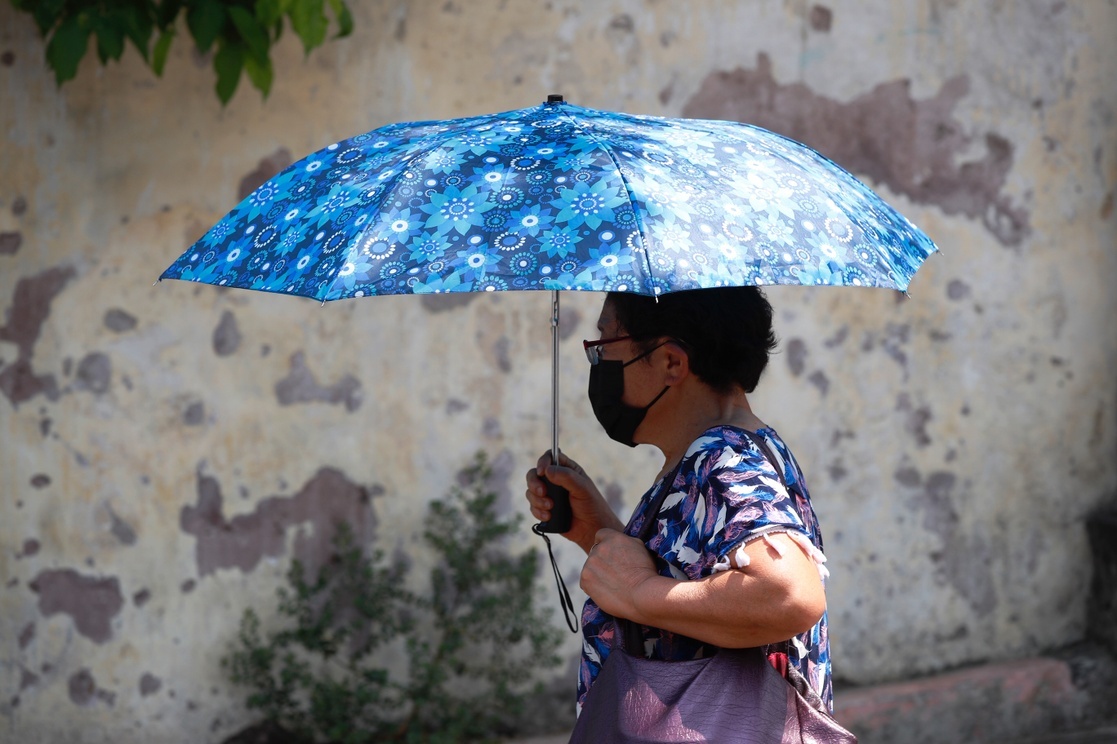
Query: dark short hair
{"type": "Point", "coordinates": [727, 331]}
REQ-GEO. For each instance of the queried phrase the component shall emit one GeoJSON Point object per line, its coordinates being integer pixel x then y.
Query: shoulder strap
{"type": "Point", "coordinates": [657, 502]}
{"type": "Point", "coordinates": [629, 634]}
{"type": "Point", "coordinates": [776, 463]}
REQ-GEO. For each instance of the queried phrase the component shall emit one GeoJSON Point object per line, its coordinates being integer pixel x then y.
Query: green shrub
{"type": "Point", "coordinates": [473, 646]}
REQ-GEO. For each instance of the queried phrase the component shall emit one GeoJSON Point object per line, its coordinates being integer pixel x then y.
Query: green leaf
{"type": "Point", "coordinates": [138, 25]}
{"type": "Point", "coordinates": [344, 17]}
{"type": "Point", "coordinates": [269, 12]}
{"type": "Point", "coordinates": [308, 18]}
{"type": "Point", "coordinates": [205, 19]}
{"type": "Point", "coordinates": [67, 46]}
{"type": "Point", "coordinates": [110, 38]}
{"type": "Point", "coordinates": [166, 12]}
{"type": "Point", "coordinates": [254, 35]}
{"type": "Point", "coordinates": [162, 47]}
{"type": "Point", "coordinates": [228, 63]}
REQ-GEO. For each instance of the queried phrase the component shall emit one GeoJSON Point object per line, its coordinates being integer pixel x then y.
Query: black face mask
{"type": "Point", "coordinates": [605, 392]}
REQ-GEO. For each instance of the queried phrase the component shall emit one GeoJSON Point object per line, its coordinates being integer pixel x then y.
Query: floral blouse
{"type": "Point", "coordinates": [725, 495]}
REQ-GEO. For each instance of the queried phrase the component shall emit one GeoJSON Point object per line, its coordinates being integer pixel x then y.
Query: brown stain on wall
{"type": "Point", "coordinates": [327, 499]}
{"type": "Point", "coordinates": [300, 386]}
{"type": "Point", "coordinates": [911, 146]}
{"type": "Point", "coordinates": [25, 317]}
{"type": "Point", "coordinates": [90, 602]}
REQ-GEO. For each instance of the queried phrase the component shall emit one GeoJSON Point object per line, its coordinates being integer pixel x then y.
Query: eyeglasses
{"type": "Point", "coordinates": [593, 348]}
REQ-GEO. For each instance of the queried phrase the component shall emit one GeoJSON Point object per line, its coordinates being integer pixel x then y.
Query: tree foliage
{"type": "Point", "coordinates": [240, 32]}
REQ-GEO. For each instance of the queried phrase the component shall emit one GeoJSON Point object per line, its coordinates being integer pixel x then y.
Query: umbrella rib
{"type": "Point", "coordinates": [627, 190]}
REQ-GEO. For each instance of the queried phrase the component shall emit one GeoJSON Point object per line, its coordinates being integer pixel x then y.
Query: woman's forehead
{"type": "Point", "coordinates": [607, 319]}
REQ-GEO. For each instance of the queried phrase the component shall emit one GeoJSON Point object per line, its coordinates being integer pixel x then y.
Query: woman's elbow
{"type": "Point", "coordinates": [805, 607]}
{"type": "Point", "coordinates": [808, 611]}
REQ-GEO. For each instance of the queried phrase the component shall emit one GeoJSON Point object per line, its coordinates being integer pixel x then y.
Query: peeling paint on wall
{"type": "Point", "coordinates": [965, 560]}
{"type": "Point", "coordinates": [300, 386]}
{"type": "Point", "coordinates": [30, 308]}
{"type": "Point", "coordinates": [912, 146]}
{"type": "Point", "coordinates": [83, 690]}
{"type": "Point", "coordinates": [91, 602]}
{"type": "Point", "coordinates": [327, 499]}
{"type": "Point", "coordinates": [10, 243]}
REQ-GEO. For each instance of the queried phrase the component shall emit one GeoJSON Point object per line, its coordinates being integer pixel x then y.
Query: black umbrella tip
{"type": "Point", "coordinates": [555, 98]}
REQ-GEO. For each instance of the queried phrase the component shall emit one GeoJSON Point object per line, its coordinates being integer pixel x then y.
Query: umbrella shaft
{"type": "Point", "coordinates": [554, 375]}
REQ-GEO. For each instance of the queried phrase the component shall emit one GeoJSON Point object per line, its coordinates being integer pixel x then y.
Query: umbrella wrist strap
{"type": "Point", "coordinates": [568, 611]}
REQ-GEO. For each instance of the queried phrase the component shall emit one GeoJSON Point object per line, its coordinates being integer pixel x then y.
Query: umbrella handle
{"type": "Point", "coordinates": [561, 516]}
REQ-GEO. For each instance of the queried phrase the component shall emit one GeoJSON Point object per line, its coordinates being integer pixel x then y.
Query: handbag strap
{"type": "Point", "coordinates": [629, 634]}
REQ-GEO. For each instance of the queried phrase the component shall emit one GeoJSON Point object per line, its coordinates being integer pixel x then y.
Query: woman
{"type": "Point", "coordinates": [737, 555]}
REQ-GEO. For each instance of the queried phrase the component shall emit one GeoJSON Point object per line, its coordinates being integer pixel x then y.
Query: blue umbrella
{"type": "Point", "coordinates": [557, 197]}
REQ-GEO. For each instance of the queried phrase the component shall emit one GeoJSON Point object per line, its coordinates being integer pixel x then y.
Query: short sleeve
{"type": "Point", "coordinates": [737, 494]}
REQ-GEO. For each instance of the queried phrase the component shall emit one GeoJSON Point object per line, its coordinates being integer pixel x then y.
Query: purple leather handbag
{"type": "Point", "coordinates": [733, 697]}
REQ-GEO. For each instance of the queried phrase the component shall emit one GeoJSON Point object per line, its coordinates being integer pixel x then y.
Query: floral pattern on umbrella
{"type": "Point", "coordinates": [557, 197]}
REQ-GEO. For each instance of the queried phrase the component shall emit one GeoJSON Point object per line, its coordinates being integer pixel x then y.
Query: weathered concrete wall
{"type": "Point", "coordinates": [167, 449]}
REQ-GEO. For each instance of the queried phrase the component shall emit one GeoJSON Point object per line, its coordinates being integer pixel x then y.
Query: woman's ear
{"type": "Point", "coordinates": [678, 363]}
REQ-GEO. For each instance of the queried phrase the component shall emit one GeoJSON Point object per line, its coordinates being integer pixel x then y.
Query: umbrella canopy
{"type": "Point", "coordinates": [557, 197]}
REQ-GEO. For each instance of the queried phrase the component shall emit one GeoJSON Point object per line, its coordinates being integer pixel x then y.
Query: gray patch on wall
{"type": "Point", "coordinates": [568, 322]}
{"type": "Point", "coordinates": [502, 355]}
{"type": "Point", "coordinates": [83, 689]}
{"type": "Point", "coordinates": [94, 373]}
{"type": "Point", "coordinates": [819, 379]}
{"type": "Point", "coordinates": [195, 413]}
{"type": "Point", "coordinates": [25, 317]}
{"type": "Point", "coordinates": [821, 18]}
{"type": "Point", "coordinates": [796, 356]}
{"type": "Point", "coordinates": [119, 321]}
{"type": "Point", "coordinates": [26, 636]}
{"type": "Point", "coordinates": [90, 602]}
{"type": "Point", "coordinates": [27, 678]}
{"type": "Point", "coordinates": [965, 562]}
{"type": "Point", "coordinates": [120, 529]}
{"type": "Point", "coordinates": [916, 419]}
{"type": "Point", "coordinates": [226, 336]}
{"type": "Point", "coordinates": [299, 386]}
{"type": "Point", "coordinates": [149, 684]}
{"type": "Point", "coordinates": [913, 147]}
{"type": "Point", "coordinates": [10, 243]}
{"type": "Point", "coordinates": [327, 499]}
